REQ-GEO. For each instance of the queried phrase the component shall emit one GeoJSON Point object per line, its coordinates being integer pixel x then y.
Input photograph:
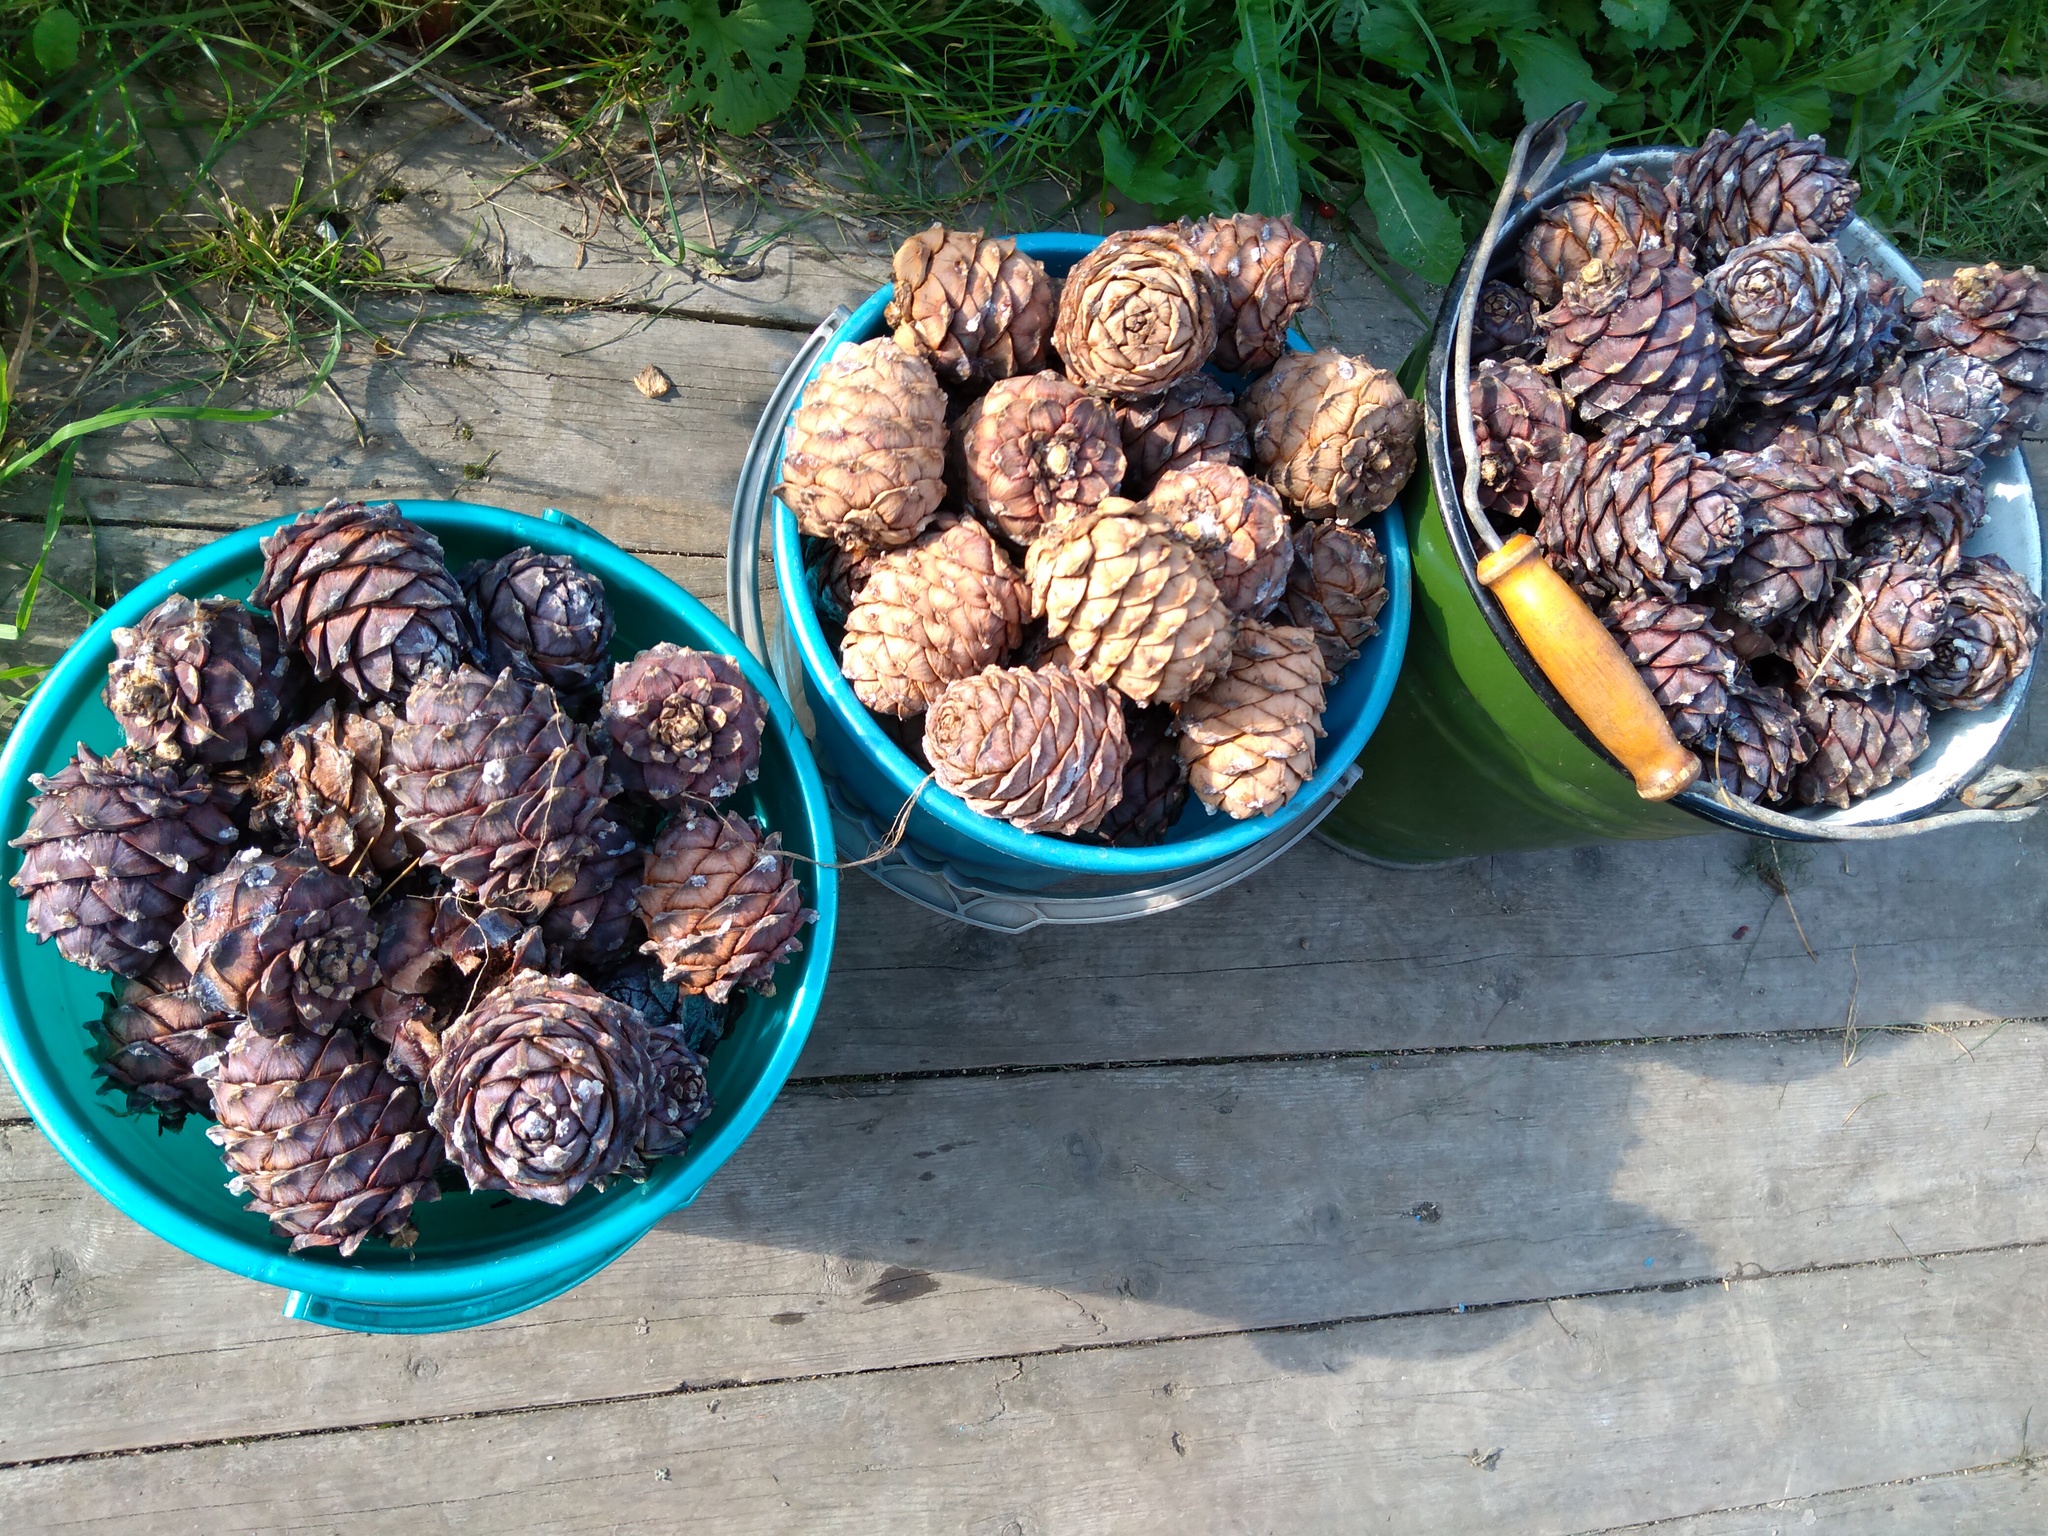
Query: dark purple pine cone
{"type": "Point", "coordinates": [1745, 185]}
{"type": "Point", "coordinates": [115, 846]}
{"type": "Point", "coordinates": [1860, 743]}
{"type": "Point", "coordinates": [436, 955]}
{"type": "Point", "coordinates": [1916, 433]}
{"type": "Point", "coordinates": [365, 595]}
{"type": "Point", "coordinates": [1521, 422]}
{"type": "Point", "coordinates": [1758, 745]}
{"type": "Point", "coordinates": [598, 916]}
{"type": "Point", "coordinates": [1799, 539]}
{"type": "Point", "coordinates": [1155, 783]}
{"type": "Point", "coordinates": [1505, 326]}
{"type": "Point", "coordinates": [681, 1098]}
{"type": "Point", "coordinates": [1193, 422]}
{"type": "Point", "coordinates": [153, 1037]}
{"type": "Point", "coordinates": [1880, 624]}
{"type": "Point", "coordinates": [1630, 515]}
{"type": "Point", "coordinates": [278, 939]}
{"type": "Point", "coordinates": [199, 682]}
{"type": "Point", "coordinates": [543, 616]}
{"type": "Point", "coordinates": [683, 722]}
{"type": "Point", "coordinates": [1994, 622]}
{"type": "Point", "coordinates": [1686, 661]}
{"type": "Point", "coordinates": [1801, 324]}
{"type": "Point", "coordinates": [637, 982]}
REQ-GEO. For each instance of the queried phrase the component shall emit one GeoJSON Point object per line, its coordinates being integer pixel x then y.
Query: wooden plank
{"type": "Point", "coordinates": [883, 1225]}
{"type": "Point", "coordinates": [2012, 1496]}
{"type": "Point", "coordinates": [1564, 1416]}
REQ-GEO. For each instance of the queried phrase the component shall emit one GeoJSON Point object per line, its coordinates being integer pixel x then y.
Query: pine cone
{"type": "Point", "coordinates": [152, 1038]}
{"type": "Point", "coordinates": [199, 682]}
{"type": "Point", "coordinates": [1265, 271]}
{"type": "Point", "coordinates": [681, 722]}
{"type": "Point", "coordinates": [597, 917]}
{"type": "Point", "coordinates": [1043, 750]}
{"type": "Point", "coordinates": [1133, 602]}
{"type": "Point", "coordinates": [1859, 743]}
{"type": "Point", "coordinates": [1249, 738]}
{"type": "Point", "coordinates": [1882, 623]}
{"type": "Point", "coordinates": [498, 785]}
{"type": "Point", "coordinates": [543, 616]}
{"type": "Point", "coordinates": [1034, 451]}
{"type": "Point", "coordinates": [836, 575]}
{"type": "Point", "coordinates": [942, 609]}
{"type": "Point", "coordinates": [1136, 313]}
{"type": "Point", "coordinates": [1332, 434]}
{"type": "Point", "coordinates": [721, 906]}
{"type": "Point", "coordinates": [1801, 324]}
{"type": "Point", "coordinates": [1994, 621]}
{"type": "Point", "coordinates": [2001, 318]}
{"type": "Point", "coordinates": [1633, 515]}
{"type": "Point", "coordinates": [1935, 542]}
{"type": "Point", "coordinates": [1238, 527]}
{"type": "Point", "coordinates": [973, 308]}
{"type": "Point", "coordinates": [1193, 422]}
{"type": "Point", "coordinates": [1794, 434]}
{"type": "Point", "coordinates": [115, 845]}
{"type": "Point", "coordinates": [543, 1088]}
{"type": "Point", "coordinates": [1798, 535]}
{"type": "Point", "coordinates": [1634, 344]}
{"type": "Point", "coordinates": [1522, 422]}
{"type": "Point", "coordinates": [1920, 429]}
{"type": "Point", "coordinates": [1336, 590]}
{"type": "Point", "coordinates": [1611, 221]}
{"type": "Point", "coordinates": [1757, 745]}
{"type": "Point", "coordinates": [1155, 783]}
{"type": "Point", "coordinates": [1745, 186]}
{"type": "Point", "coordinates": [279, 940]}
{"type": "Point", "coordinates": [680, 1099]}
{"type": "Point", "coordinates": [332, 1148]}
{"type": "Point", "coordinates": [434, 960]}
{"type": "Point", "coordinates": [366, 597]}
{"type": "Point", "coordinates": [1505, 326]}
{"type": "Point", "coordinates": [637, 982]}
{"type": "Point", "coordinates": [864, 459]}
{"type": "Point", "coordinates": [1683, 657]}
{"type": "Point", "coordinates": [321, 786]}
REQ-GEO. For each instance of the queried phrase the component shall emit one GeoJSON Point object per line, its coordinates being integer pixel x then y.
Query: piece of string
{"type": "Point", "coordinates": [888, 845]}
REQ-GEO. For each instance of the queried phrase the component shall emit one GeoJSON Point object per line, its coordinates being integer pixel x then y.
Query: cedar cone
{"type": "Point", "coordinates": [1136, 313]}
{"type": "Point", "coordinates": [1332, 434]}
{"type": "Point", "coordinates": [1757, 746]}
{"type": "Point", "coordinates": [1994, 621]}
{"type": "Point", "coordinates": [1633, 343]}
{"type": "Point", "coordinates": [1043, 750]}
{"type": "Point", "coordinates": [320, 786]}
{"type": "Point", "coordinates": [1034, 451]}
{"type": "Point", "coordinates": [152, 1038]}
{"type": "Point", "coordinates": [1155, 782]}
{"type": "Point", "coordinates": [1265, 272]}
{"type": "Point", "coordinates": [637, 982]}
{"type": "Point", "coordinates": [1801, 324]}
{"type": "Point", "coordinates": [1609, 220]}
{"type": "Point", "coordinates": [543, 616]}
{"type": "Point", "coordinates": [836, 575]}
{"type": "Point", "coordinates": [366, 597]}
{"type": "Point", "coordinates": [498, 785]}
{"type": "Point", "coordinates": [1917, 539]}
{"type": "Point", "coordinates": [974, 308]}
{"type": "Point", "coordinates": [1881, 623]}
{"type": "Point", "coordinates": [2001, 318]}
{"type": "Point", "coordinates": [1249, 738]}
{"type": "Point", "coordinates": [279, 940]}
{"type": "Point", "coordinates": [434, 961]}
{"type": "Point", "coordinates": [1638, 514]}
{"type": "Point", "coordinates": [543, 1088]}
{"type": "Point", "coordinates": [1193, 422]}
{"type": "Point", "coordinates": [1238, 527]}
{"type": "Point", "coordinates": [1798, 537]}
{"type": "Point", "coordinates": [1914, 433]}
{"type": "Point", "coordinates": [1133, 602]}
{"type": "Point", "coordinates": [941, 609]}
{"type": "Point", "coordinates": [329, 1145]}
{"type": "Point", "coordinates": [1795, 434]}
{"type": "Point", "coordinates": [199, 682]}
{"type": "Point", "coordinates": [864, 459]}
{"type": "Point", "coordinates": [1505, 327]}
{"type": "Point", "coordinates": [720, 903]}
{"type": "Point", "coordinates": [1683, 657]}
{"type": "Point", "coordinates": [1744, 186]}
{"type": "Point", "coordinates": [1337, 588]}
{"type": "Point", "coordinates": [115, 846]}
{"type": "Point", "coordinates": [1860, 743]}
{"type": "Point", "coordinates": [680, 1098]}
{"type": "Point", "coordinates": [683, 722]}
{"type": "Point", "coordinates": [1522, 422]}
{"type": "Point", "coordinates": [596, 917]}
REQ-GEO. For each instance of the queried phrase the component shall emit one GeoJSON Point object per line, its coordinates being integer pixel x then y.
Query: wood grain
{"type": "Point", "coordinates": [2012, 1496]}
{"type": "Point", "coordinates": [873, 1226]}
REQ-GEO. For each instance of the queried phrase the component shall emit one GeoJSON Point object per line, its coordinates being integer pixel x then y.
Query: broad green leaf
{"type": "Point", "coordinates": [54, 40]}
{"type": "Point", "coordinates": [1551, 74]}
{"type": "Point", "coordinates": [1070, 18]}
{"type": "Point", "coordinates": [1147, 180]}
{"type": "Point", "coordinates": [1224, 184]}
{"type": "Point", "coordinates": [744, 63]}
{"type": "Point", "coordinates": [1459, 21]}
{"type": "Point", "coordinates": [1416, 225]}
{"type": "Point", "coordinates": [1385, 34]}
{"type": "Point", "coordinates": [1864, 70]}
{"type": "Point", "coordinates": [1642, 19]}
{"type": "Point", "coordinates": [14, 108]}
{"type": "Point", "coordinates": [1276, 179]}
{"type": "Point", "coordinates": [1804, 105]}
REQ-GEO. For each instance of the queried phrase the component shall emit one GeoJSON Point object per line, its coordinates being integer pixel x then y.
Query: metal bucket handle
{"type": "Point", "coordinates": [1994, 794]}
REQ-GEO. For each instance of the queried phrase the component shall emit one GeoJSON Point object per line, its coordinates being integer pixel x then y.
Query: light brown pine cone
{"type": "Point", "coordinates": [1249, 738]}
{"type": "Point", "coordinates": [1238, 527]}
{"type": "Point", "coordinates": [1265, 271]}
{"type": "Point", "coordinates": [1612, 219]}
{"type": "Point", "coordinates": [1136, 313]}
{"type": "Point", "coordinates": [1193, 422]}
{"type": "Point", "coordinates": [721, 905]}
{"type": "Point", "coordinates": [974, 308]}
{"type": "Point", "coordinates": [1337, 588]}
{"type": "Point", "coordinates": [864, 459]}
{"type": "Point", "coordinates": [1332, 434]}
{"type": "Point", "coordinates": [1034, 451]}
{"type": "Point", "coordinates": [928, 614]}
{"type": "Point", "coordinates": [1043, 750]}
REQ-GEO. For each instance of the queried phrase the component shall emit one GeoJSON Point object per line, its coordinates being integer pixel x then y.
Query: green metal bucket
{"type": "Point", "coordinates": [1478, 754]}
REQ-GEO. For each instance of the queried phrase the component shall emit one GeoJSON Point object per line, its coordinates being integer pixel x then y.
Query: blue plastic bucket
{"type": "Point", "coordinates": [479, 1257]}
{"type": "Point", "coordinates": [876, 776]}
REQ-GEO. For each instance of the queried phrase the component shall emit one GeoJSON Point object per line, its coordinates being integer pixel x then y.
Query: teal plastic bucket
{"type": "Point", "coordinates": [875, 776]}
{"type": "Point", "coordinates": [479, 1257]}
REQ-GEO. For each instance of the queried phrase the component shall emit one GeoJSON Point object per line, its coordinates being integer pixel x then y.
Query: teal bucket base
{"type": "Point", "coordinates": [444, 1316]}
